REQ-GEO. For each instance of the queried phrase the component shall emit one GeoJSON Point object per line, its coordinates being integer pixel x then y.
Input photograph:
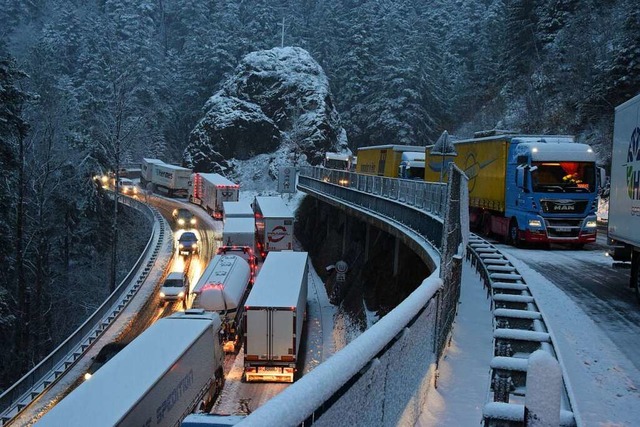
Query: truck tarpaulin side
{"type": "Point", "coordinates": [383, 160]}
{"type": "Point", "coordinates": [172, 368]}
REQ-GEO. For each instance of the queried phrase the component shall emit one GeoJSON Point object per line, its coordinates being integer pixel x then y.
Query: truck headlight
{"type": "Point", "coordinates": [591, 224]}
{"type": "Point", "coordinates": [535, 223]}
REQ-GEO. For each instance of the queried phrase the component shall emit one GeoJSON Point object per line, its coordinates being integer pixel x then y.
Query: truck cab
{"type": "Point", "coordinates": [554, 195]}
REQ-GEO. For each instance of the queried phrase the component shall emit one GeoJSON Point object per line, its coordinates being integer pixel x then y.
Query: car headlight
{"type": "Point", "coordinates": [87, 376]}
{"type": "Point", "coordinates": [181, 246]}
{"type": "Point", "coordinates": [591, 224]}
{"type": "Point", "coordinates": [195, 245]}
{"type": "Point", "coordinates": [181, 221]}
{"type": "Point", "coordinates": [193, 221]}
{"type": "Point", "coordinates": [181, 294]}
{"type": "Point", "coordinates": [535, 223]}
{"type": "Point", "coordinates": [162, 295]}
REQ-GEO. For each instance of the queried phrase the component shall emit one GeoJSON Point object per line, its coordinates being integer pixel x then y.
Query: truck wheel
{"type": "Point", "coordinates": [513, 233]}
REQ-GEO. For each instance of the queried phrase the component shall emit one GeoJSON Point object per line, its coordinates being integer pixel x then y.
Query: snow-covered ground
{"type": "Point", "coordinates": [463, 380]}
{"type": "Point", "coordinates": [603, 382]}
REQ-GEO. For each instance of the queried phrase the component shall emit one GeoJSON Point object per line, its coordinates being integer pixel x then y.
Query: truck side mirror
{"type": "Point", "coordinates": [602, 176]}
{"type": "Point", "coordinates": [521, 178]}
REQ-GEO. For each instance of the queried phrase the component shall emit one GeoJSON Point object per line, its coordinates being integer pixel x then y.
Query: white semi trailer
{"type": "Point", "coordinates": [171, 179]}
{"type": "Point", "coordinates": [239, 232]}
{"type": "Point", "coordinates": [146, 170]}
{"type": "Point", "coordinates": [172, 368]}
{"type": "Point", "coordinates": [624, 196]}
{"type": "Point", "coordinates": [240, 209]}
{"type": "Point", "coordinates": [274, 314]}
{"type": "Point", "coordinates": [274, 225]}
{"type": "Point", "coordinates": [211, 190]}
{"type": "Point", "coordinates": [222, 289]}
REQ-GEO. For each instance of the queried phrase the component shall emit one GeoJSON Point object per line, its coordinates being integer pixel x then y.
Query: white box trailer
{"type": "Point", "coordinates": [274, 315]}
{"type": "Point", "coordinates": [240, 209]}
{"type": "Point", "coordinates": [146, 170]}
{"type": "Point", "coordinates": [171, 179]}
{"type": "Point", "coordinates": [211, 190]}
{"type": "Point", "coordinates": [239, 232]}
{"type": "Point", "coordinates": [172, 368]}
{"type": "Point", "coordinates": [624, 196]}
{"type": "Point", "coordinates": [274, 224]}
{"type": "Point", "coordinates": [223, 288]}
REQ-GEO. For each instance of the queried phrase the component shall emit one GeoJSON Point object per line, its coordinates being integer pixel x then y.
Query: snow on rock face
{"type": "Point", "coordinates": [276, 98]}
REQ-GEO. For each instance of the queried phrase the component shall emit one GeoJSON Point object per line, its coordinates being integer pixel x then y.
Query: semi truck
{"type": "Point", "coordinates": [168, 179]}
{"type": "Point", "coordinates": [223, 288]}
{"type": "Point", "coordinates": [339, 161]}
{"type": "Point", "coordinates": [274, 314]}
{"type": "Point", "coordinates": [624, 194]}
{"type": "Point", "coordinates": [527, 188]}
{"type": "Point", "coordinates": [173, 368]}
{"type": "Point", "coordinates": [240, 209]}
{"type": "Point", "coordinates": [211, 190]}
{"type": "Point", "coordinates": [274, 225]}
{"type": "Point", "coordinates": [383, 160]}
{"type": "Point", "coordinates": [239, 232]}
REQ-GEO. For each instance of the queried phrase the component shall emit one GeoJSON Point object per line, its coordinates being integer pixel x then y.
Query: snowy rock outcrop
{"type": "Point", "coordinates": [278, 100]}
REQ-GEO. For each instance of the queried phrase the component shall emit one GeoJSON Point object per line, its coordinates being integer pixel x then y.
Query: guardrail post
{"type": "Point", "coordinates": [544, 386]}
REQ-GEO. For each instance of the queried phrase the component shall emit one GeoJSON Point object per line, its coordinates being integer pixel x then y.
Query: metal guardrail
{"type": "Point", "coordinates": [430, 197]}
{"type": "Point", "coordinates": [50, 369]}
{"type": "Point", "coordinates": [383, 196]}
{"type": "Point", "coordinates": [519, 330]}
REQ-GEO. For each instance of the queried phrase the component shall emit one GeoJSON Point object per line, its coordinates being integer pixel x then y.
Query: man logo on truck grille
{"type": "Point", "coordinates": [278, 233]}
{"type": "Point", "coordinates": [633, 165]}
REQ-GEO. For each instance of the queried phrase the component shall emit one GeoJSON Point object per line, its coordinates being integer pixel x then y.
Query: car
{"type": "Point", "coordinates": [184, 218]}
{"type": "Point", "coordinates": [127, 186]}
{"type": "Point", "coordinates": [175, 288]}
{"type": "Point", "coordinates": [188, 243]}
{"type": "Point", "coordinates": [105, 354]}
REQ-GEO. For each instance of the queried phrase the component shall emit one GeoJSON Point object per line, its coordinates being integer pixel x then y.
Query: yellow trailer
{"type": "Point", "coordinates": [383, 160]}
{"type": "Point", "coordinates": [484, 162]}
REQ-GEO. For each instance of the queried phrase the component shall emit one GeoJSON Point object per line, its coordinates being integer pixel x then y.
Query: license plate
{"type": "Point", "coordinates": [563, 229]}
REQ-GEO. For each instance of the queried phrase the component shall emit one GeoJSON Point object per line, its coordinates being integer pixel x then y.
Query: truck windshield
{"type": "Point", "coordinates": [563, 177]}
